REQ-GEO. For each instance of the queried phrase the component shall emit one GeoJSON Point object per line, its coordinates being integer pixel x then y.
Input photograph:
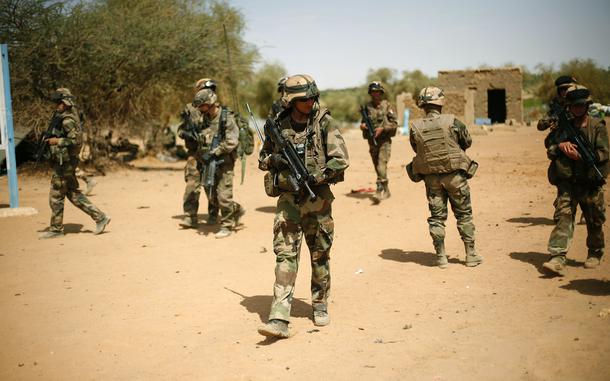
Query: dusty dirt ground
{"type": "Point", "coordinates": [148, 300]}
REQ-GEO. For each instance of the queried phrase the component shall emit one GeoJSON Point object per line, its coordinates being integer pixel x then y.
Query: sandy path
{"type": "Point", "coordinates": [150, 301]}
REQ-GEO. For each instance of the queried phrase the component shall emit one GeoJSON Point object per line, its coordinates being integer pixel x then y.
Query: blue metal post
{"type": "Point", "coordinates": [11, 163]}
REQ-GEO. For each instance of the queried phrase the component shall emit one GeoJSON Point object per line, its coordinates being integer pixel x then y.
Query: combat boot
{"type": "Point", "coordinates": [212, 220]}
{"type": "Point", "coordinates": [321, 318]}
{"type": "Point", "coordinates": [51, 234]}
{"type": "Point", "coordinates": [189, 222]}
{"type": "Point", "coordinates": [472, 258]}
{"type": "Point", "coordinates": [223, 233]}
{"type": "Point", "coordinates": [239, 213]}
{"type": "Point", "coordinates": [441, 255]}
{"type": "Point", "coordinates": [275, 328]}
{"type": "Point", "coordinates": [593, 259]}
{"type": "Point", "coordinates": [101, 225]}
{"type": "Point", "coordinates": [378, 196]}
{"type": "Point", "coordinates": [386, 191]}
{"type": "Point", "coordinates": [557, 264]}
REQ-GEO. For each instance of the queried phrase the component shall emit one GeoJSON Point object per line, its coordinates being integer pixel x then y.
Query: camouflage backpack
{"type": "Point", "coordinates": [246, 137]}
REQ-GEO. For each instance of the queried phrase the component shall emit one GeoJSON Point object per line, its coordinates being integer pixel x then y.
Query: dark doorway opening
{"type": "Point", "coordinates": [496, 105]}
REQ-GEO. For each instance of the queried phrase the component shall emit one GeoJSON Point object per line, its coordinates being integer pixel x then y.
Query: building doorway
{"type": "Point", "coordinates": [496, 105]}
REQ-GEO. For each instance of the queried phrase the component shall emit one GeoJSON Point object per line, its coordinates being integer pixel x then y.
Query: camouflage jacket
{"type": "Point", "coordinates": [67, 127]}
{"type": "Point", "coordinates": [323, 149]}
{"type": "Point", "coordinates": [384, 116]}
{"type": "Point", "coordinates": [565, 169]}
{"type": "Point", "coordinates": [228, 144]}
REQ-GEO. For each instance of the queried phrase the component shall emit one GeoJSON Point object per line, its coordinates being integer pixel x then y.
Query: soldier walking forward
{"type": "Point", "coordinates": [382, 116]}
{"type": "Point", "coordinates": [218, 141]}
{"type": "Point", "coordinates": [440, 141]}
{"type": "Point", "coordinates": [64, 138]}
{"type": "Point", "coordinates": [189, 129]}
{"type": "Point", "coordinates": [321, 148]}
{"type": "Point", "coordinates": [578, 182]}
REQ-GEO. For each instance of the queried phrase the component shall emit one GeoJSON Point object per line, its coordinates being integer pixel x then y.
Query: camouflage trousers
{"type": "Point", "coordinates": [190, 200]}
{"type": "Point", "coordinates": [453, 187]}
{"type": "Point", "coordinates": [591, 201]}
{"type": "Point", "coordinates": [381, 156]}
{"type": "Point", "coordinates": [65, 185]}
{"type": "Point", "coordinates": [220, 195]}
{"type": "Point", "coordinates": [297, 217]}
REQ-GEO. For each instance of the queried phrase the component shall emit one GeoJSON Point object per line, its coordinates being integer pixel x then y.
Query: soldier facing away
{"type": "Point", "coordinates": [440, 141]}
{"type": "Point", "coordinates": [383, 118]}
{"type": "Point", "coordinates": [189, 129]}
{"type": "Point", "coordinates": [320, 146]}
{"type": "Point", "coordinates": [64, 141]}
{"type": "Point", "coordinates": [577, 181]}
{"type": "Point", "coordinates": [218, 142]}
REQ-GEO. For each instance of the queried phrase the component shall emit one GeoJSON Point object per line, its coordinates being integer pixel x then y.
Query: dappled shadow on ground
{"type": "Point", "coordinates": [266, 209]}
{"type": "Point", "coordinates": [532, 221]}
{"type": "Point", "coordinates": [422, 258]}
{"type": "Point", "coordinates": [594, 287]}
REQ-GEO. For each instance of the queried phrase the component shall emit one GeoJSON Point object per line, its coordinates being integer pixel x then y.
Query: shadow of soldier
{"type": "Point", "coordinates": [532, 221]}
{"type": "Point", "coordinates": [422, 258]}
{"type": "Point", "coordinates": [593, 287]}
{"type": "Point", "coordinates": [202, 227]}
{"type": "Point", "coordinates": [537, 259]}
{"type": "Point", "coordinates": [74, 228]}
{"type": "Point", "coordinates": [266, 209]}
{"type": "Point", "coordinates": [260, 305]}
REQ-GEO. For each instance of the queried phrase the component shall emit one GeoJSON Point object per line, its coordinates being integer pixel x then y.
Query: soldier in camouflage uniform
{"type": "Point", "coordinates": [189, 129]}
{"type": "Point", "coordinates": [64, 141]}
{"type": "Point", "coordinates": [319, 143]}
{"type": "Point", "coordinates": [383, 117]}
{"type": "Point", "coordinates": [439, 141]}
{"type": "Point", "coordinates": [218, 121]}
{"type": "Point", "coordinates": [562, 83]}
{"type": "Point", "coordinates": [278, 105]}
{"type": "Point", "coordinates": [577, 184]}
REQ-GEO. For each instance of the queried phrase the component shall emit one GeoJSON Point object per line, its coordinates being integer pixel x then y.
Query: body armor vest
{"type": "Point", "coordinates": [437, 149]}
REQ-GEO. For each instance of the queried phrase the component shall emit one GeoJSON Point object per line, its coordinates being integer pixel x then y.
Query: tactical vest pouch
{"type": "Point", "coordinates": [472, 169]}
{"type": "Point", "coordinates": [269, 182]}
{"type": "Point", "coordinates": [415, 177]}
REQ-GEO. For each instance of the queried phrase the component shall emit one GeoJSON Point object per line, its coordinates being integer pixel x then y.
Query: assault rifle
{"type": "Point", "coordinates": [369, 125]}
{"type": "Point", "coordinates": [42, 145]}
{"type": "Point", "coordinates": [299, 177]}
{"type": "Point", "coordinates": [212, 164]}
{"type": "Point", "coordinates": [583, 145]}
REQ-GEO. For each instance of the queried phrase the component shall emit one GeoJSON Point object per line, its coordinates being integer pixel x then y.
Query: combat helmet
{"type": "Point", "coordinates": [206, 83]}
{"type": "Point", "coordinates": [205, 96]}
{"type": "Point", "coordinates": [63, 95]}
{"type": "Point", "coordinates": [300, 86]}
{"type": "Point", "coordinates": [565, 81]}
{"type": "Point", "coordinates": [376, 86]}
{"type": "Point", "coordinates": [281, 84]}
{"type": "Point", "coordinates": [431, 95]}
{"type": "Point", "coordinates": [578, 94]}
